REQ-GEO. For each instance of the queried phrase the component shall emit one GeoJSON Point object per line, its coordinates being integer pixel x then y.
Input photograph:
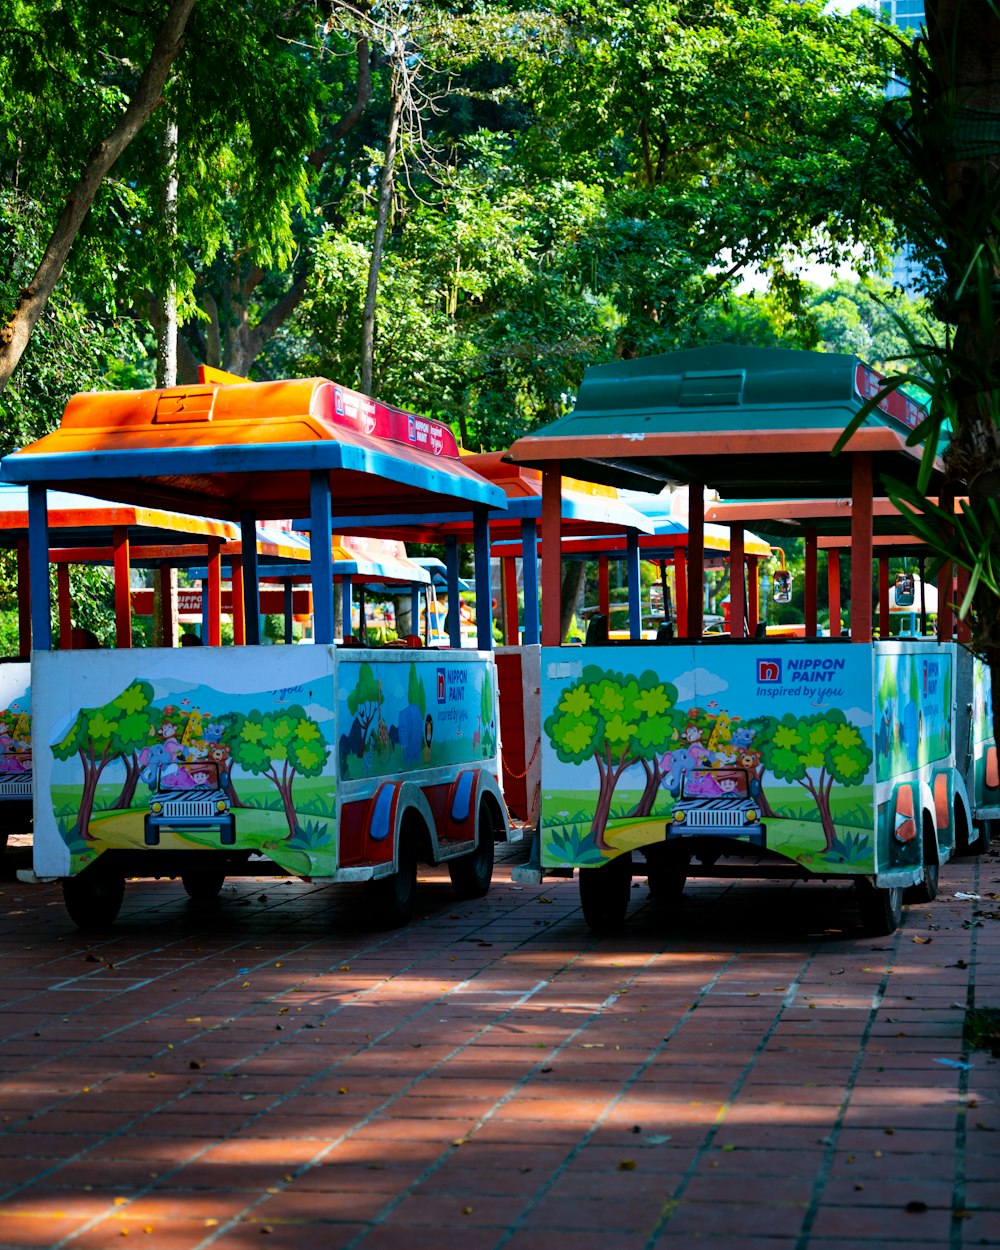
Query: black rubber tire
{"type": "Point", "coordinates": [203, 885]}
{"type": "Point", "coordinates": [926, 891]}
{"type": "Point", "coordinates": [605, 893]}
{"type": "Point", "coordinates": [982, 836]}
{"type": "Point", "coordinates": [881, 908]}
{"type": "Point", "coordinates": [391, 898]}
{"type": "Point", "coordinates": [667, 876]}
{"type": "Point", "coordinates": [471, 875]}
{"type": "Point", "coordinates": [94, 898]}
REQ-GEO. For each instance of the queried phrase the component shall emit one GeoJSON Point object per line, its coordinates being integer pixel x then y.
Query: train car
{"type": "Point", "coordinates": [339, 763]}
{"type": "Point", "coordinates": [830, 756]}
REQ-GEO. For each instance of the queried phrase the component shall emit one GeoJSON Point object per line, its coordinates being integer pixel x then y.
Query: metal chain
{"type": "Point", "coordinates": [518, 776]}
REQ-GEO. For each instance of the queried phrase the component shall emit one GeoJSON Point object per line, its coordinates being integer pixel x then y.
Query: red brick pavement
{"type": "Point", "coordinates": [750, 1073]}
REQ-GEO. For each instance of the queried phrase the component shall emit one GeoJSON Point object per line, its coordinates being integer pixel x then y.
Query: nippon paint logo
{"type": "Point", "coordinates": [768, 672]}
{"type": "Point", "coordinates": [442, 686]}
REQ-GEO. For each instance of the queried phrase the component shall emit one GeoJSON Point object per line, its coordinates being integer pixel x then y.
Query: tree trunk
{"type": "Point", "coordinates": [16, 333]}
{"type": "Point", "coordinates": [166, 343]}
{"type": "Point", "coordinates": [132, 770]}
{"type": "Point", "coordinates": [387, 183]}
{"type": "Point", "coordinates": [653, 779]}
{"type": "Point", "coordinates": [961, 117]}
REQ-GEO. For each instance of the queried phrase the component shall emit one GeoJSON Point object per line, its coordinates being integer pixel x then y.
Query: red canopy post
{"type": "Point", "coordinates": [123, 598]}
{"type": "Point", "coordinates": [512, 633]}
{"type": "Point", "coordinates": [239, 620]}
{"type": "Point", "coordinates": [680, 592]}
{"type": "Point", "coordinates": [552, 555]}
{"type": "Point", "coordinates": [811, 593]}
{"type": "Point", "coordinates": [215, 593]}
{"type": "Point", "coordinates": [861, 547]}
{"type": "Point", "coordinates": [737, 596]}
{"type": "Point", "coordinates": [833, 589]}
{"type": "Point", "coordinates": [696, 561]}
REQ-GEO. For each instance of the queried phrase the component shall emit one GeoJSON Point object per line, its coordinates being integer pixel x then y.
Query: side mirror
{"type": "Point", "coordinates": [904, 590]}
{"type": "Point", "coordinates": [782, 587]}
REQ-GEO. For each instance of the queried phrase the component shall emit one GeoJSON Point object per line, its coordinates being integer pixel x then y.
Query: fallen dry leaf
{"type": "Point", "coordinates": [627, 1165]}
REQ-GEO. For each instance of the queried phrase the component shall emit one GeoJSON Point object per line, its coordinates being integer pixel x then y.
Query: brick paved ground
{"type": "Point", "coordinates": [274, 1073]}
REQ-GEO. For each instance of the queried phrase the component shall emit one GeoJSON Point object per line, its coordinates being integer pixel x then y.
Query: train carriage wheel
{"type": "Point", "coordinates": [94, 897]}
{"type": "Point", "coordinates": [605, 893]}
{"type": "Point", "coordinates": [472, 874]}
{"type": "Point", "coordinates": [203, 885]}
{"type": "Point", "coordinates": [391, 898]}
{"type": "Point", "coordinates": [881, 909]}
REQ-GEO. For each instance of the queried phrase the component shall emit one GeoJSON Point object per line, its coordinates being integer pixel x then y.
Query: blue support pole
{"type": "Point", "coordinates": [415, 609]}
{"type": "Point", "coordinates": [288, 611]}
{"type": "Point", "coordinates": [454, 621]}
{"type": "Point", "coordinates": [484, 588]}
{"type": "Point", "coordinates": [634, 591]}
{"type": "Point", "coordinates": [321, 555]}
{"type": "Point", "coordinates": [38, 569]}
{"type": "Point", "coordinates": [347, 603]}
{"type": "Point", "coordinates": [529, 576]}
{"type": "Point", "coordinates": [251, 578]}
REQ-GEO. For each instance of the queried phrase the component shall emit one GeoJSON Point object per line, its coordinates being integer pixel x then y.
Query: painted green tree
{"type": "Point", "coordinates": [487, 714]}
{"type": "Point", "coordinates": [814, 751]}
{"type": "Point", "coordinates": [280, 746]}
{"type": "Point", "coordinates": [617, 719]}
{"type": "Point", "coordinates": [415, 692]}
{"type": "Point", "coordinates": [365, 700]}
{"type": "Point", "coordinates": [117, 730]}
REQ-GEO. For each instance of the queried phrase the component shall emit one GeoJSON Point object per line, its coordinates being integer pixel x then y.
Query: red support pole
{"type": "Point", "coordinates": [680, 592]}
{"type": "Point", "coordinates": [603, 587]}
{"type": "Point", "coordinates": [23, 601]}
{"type": "Point", "coordinates": [737, 585]}
{"type": "Point", "coordinates": [811, 587]}
{"type": "Point", "coordinates": [861, 547]}
{"type": "Point", "coordinates": [552, 555]}
{"type": "Point", "coordinates": [215, 593]}
{"type": "Point", "coordinates": [833, 587]}
{"type": "Point", "coordinates": [753, 594]}
{"type": "Point", "coordinates": [123, 594]}
{"type": "Point", "coordinates": [512, 632]}
{"type": "Point", "coordinates": [239, 620]}
{"type": "Point", "coordinates": [696, 560]}
{"type": "Point", "coordinates": [65, 607]}
{"type": "Point", "coordinates": [883, 597]}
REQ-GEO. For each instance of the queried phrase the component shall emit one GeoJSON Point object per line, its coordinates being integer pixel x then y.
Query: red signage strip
{"type": "Point", "coordinates": [895, 405]}
{"type": "Point", "coordinates": [358, 412]}
{"type": "Point", "coordinates": [190, 602]}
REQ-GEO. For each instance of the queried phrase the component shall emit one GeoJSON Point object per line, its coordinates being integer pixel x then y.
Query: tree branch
{"type": "Point", "coordinates": [15, 335]}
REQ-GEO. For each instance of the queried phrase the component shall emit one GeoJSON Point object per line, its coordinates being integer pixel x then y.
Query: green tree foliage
{"type": "Point", "coordinates": [365, 700]}
{"type": "Point", "coordinates": [117, 730]}
{"type": "Point", "coordinates": [279, 745]}
{"type": "Point", "coordinates": [814, 751]}
{"type": "Point", "coordinates": [616, 719]}
{"type": "Point", "coordinates": [415, 692]}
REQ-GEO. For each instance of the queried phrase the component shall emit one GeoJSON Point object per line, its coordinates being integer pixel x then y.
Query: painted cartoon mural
{"type": "Point", "coordinates": [15, 731]}
{"type": "Point", "coordinates": [984, 781]}
{"type": "Point", "coordinates": [402, 716]}
{"type": "Point", "coordinates": [630, 759]}
{"type": "Point", "coordinates": [172, 760]}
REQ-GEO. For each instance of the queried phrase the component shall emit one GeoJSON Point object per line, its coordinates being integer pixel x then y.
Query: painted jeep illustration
{"type": "Point", "coordinates": [716, 801]}
{"type": "Point", "coordinates": [191, 797]}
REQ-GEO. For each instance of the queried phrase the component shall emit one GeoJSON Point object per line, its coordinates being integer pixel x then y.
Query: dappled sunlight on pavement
{"type": "Point", "coordinates": [748, 1071]}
